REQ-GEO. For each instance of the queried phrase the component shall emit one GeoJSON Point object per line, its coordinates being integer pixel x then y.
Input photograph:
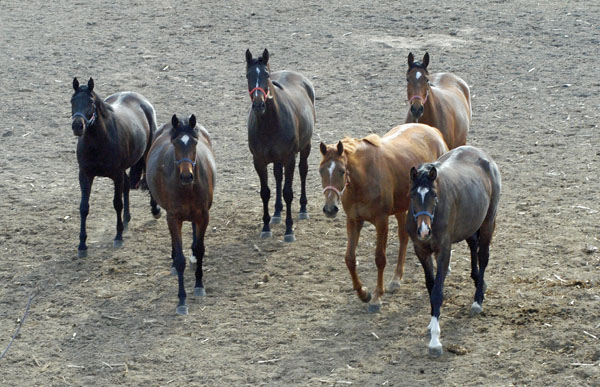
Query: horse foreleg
{"type": "Point", "coordinates": [437, 297]}
{"type": "Point", "coordinates": [403, 238]}
{"type": "Point", "coordinates": [118, 205]}
{"type": "Point", "coordinates": [303, 169]}
{"type": "Point", "coordinates": [381, 226]}
{"type": "Point", "coordinates": [288, 196]}
{"type": "Point", "coordinates": [126, 188]}
{"type": "Point", "coordinates": [265, 194]}
{"type": "Point", "coordinates": [353, 228]}
{"type": "Point", "coordinates": [85, 184]}
{"type": "Point", "coordinates": [278, 173]}
{"type": "Point", "coordinates": [178, 260]}
{"type": "Point", "coordinates": [198, 249]}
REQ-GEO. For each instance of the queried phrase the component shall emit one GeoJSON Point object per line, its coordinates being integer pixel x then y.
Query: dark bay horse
{"type": "Point", "coordinates": [114, 134]}
{"type": "Point", "coordinates": [451, 200]}
{"type": "Point", "coordinates": [371, 179]}
{"type": "Point", "coordinates": [280, 124]}
{"type": "Point", "coordinates": [181, 176]}
{"type": "Point", "coordinates": [441, 100]}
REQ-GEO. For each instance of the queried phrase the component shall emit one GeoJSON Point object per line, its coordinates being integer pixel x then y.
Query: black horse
{"type": "Point", "coordinates": [280, 124]}
{"type": "Point", "coordinates": [452, 200]}
{"type": "Point", "coordinates": [114, 134]}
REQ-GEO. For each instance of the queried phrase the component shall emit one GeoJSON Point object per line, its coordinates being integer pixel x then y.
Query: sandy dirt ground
{"type": "Point", "coordinates": [286, 314]}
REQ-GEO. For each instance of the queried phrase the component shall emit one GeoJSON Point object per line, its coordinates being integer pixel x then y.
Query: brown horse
{"type": "Point", "coordinates": [280, 124]}
{"type": "Point", "coordinates": [114, 134]}
{"type": "Point", "coordinates": [451, 200]}
{"type": "Point", "coordinates": [441, 100]}
{"type": "Point", "coordinates": [181, 175]}
{"type": "Point", "coordinates": [371, 178]}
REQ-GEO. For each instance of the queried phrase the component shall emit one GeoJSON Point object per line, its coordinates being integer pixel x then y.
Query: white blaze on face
{"type": "Point", "coordinates": [423, 230]}
{"type": "Point", "coordinates": [434, 330]}
{"type": "Point", "coordinates": [422, 191]}
{"type": "Point", "coordinates": [330, 169]}
{"type": "Point", "coordinates": [418, 75]}
{"type": "Point", "coordinates": [185, 139]}
{"type": "Point", "coordinates": [257, 76]}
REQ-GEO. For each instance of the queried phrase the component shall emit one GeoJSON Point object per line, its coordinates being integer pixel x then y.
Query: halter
{"type": "Point", "coordinates": [185, 160]}
{"type": "Point", "coordinates": [423, 213]}
{"type": "Point", "coordinates": [337, 191]}
{"type": "Point", "coordinates": [87, 122]}
{"type": "Point", "coordinates": [419, 97]}
{"type": "Point", "coordinates": [259, 89]}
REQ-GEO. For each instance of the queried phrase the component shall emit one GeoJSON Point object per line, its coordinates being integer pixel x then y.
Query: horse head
{"type": "Point", "coordinates": [184, 138]}
{"type": "Point", "coordinates": [334, 177]}
{"type": "Point", "coordinates": [417, 89]}
{"type": "Point", "coordinates": [423, 198]}
{"type": "Point", "coordinates": [257, 73]}
{"type": "Point", "coordinates": [83, 107]}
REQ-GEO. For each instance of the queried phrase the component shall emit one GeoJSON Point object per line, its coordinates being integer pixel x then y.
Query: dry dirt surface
{"type": "Point", "coordinates": [286, 314]}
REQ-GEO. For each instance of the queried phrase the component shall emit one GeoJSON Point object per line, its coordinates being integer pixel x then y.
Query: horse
{"type": "Point", "coordinates": [441, 100]}
{"type": "Point", "coordinates": [280, 124]}
{"type": "Point", "coordinates": [371, 179]}
{"type": "Point", "coordinates": [181, 175]}
{"type": "Point", "coordinates": [451, 200]}
{"type": "Point", "coordinates": [113, 135]}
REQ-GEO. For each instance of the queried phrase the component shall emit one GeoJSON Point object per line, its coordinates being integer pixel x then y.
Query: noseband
{"type": "Point", "coordinates": [423, 213]}
{"type": "Point", "coordinates": [87, 122]}
{"type": "Point", "coordinates": [424, 100]}
{"type": "Point", "coordinates": [259, 89]}
{"type": "Point", "coordinates": [185, 160]}
{"type": "Point", "coordinates": [337, 191]}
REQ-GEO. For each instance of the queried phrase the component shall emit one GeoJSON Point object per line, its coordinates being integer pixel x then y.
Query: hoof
{"type": "Point", "coordinates": [173, 270]}
{"type": "Point", "coordinates": [157, 215]}
{"type": "Point", "coordinates": [435, 351]}
{"type": "Point", "coordinates": [182, 310]}
{"type": "Point", "coordinates": [118, 243]}
{"type": "Point", "coordinates": [199, 292]}
{"type": "Point", "coordinates": [476, 308]}
{"type": "Point", "coordinates": [276, 220]}
{"type": "Point", "coordinates": [393, 286]}
{"type": "Point", "coordinates": [266, 234]}
{"type": "Point", "coordinates": [303, 216]}
{"type": "Point", "coordinates": [374, 307]}
{"type": "Point", "coordinates": [367, 298]}
{"type": "Point", "coordinates": [289, 238]}
{"type": "Point", "coordinates": [81, 253]}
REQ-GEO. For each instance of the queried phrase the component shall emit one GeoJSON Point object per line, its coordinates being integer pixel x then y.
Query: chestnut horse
{"type": "Point", "coordinates": [181, 175]}
{"type": "Point", "coordinates": [451, 200]}
{"type": "Point", "coordinates": [441, 100]}
{"type": "Point", "coordinates": [371, 179]}
{"type": "Point", "coordinates": [114, 134]}
{"type": "Point", "coordinates": [280, 124]}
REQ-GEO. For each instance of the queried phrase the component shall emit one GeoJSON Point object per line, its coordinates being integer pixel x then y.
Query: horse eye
{"type": "Point", "coordinates": [342, 171]}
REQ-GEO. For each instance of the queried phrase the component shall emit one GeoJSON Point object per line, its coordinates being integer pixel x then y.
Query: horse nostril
{"type": "Point", "coordinates": [335, 209]}
{"type": "Point", "coordinates": [186, 177]}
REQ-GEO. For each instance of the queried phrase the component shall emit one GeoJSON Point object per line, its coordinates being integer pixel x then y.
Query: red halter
{"type": "Point", "coordinates": [259, 89]}
{"type": "Point", "coordinates": [419, 97]}
{"type": "Point", "coordinates": [337, 191]}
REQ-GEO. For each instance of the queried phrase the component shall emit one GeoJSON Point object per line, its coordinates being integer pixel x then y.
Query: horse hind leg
{"type": "Point", "coordinates": [303, 169]}
{"type": "Point", "coordinates": [278, 173]}
{"type": "Point", "coordinates": [126, 212]}
{"type": "Point", "coordinates": [135, 175]}
{"type": "Point", "coordinates": [154, 208]}
{"type": "Point", "coordinates": [483, 253]}
{"type": "Point", "coordinates": [403, 238]}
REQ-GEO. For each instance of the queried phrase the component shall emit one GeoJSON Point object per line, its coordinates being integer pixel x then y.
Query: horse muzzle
{"type": "Point", "coordinates": [77, 125]}
{"type": "Point", "coordinates": [424, 232]}
{"type": "Point", "coordinates": [416, 111]}
{"type": "Point", "coordinates": [186, 178]}
{"type": "Point", "coordinates": [330, 210]}
{"type": "Point", "coordinates": [259, 106]}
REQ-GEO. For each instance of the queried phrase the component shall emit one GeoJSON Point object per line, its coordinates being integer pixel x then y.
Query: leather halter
{"type": "Point", "coordinates": [88, 122]}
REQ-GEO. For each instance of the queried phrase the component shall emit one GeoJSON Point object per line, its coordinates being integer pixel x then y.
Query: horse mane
{"type": "Point", "coordinates": [351, 144]}
{"type": "Point", "coordinates": [102, 107]}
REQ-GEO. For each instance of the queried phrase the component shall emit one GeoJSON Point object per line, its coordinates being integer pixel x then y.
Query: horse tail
{"type": "Point", "coordinates": [310, 90]}
{"type": "Point", "coordinates": [137, 173]}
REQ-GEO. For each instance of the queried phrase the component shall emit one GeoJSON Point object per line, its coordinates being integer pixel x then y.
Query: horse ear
{"type": "Point", "coordinates": [75, 84]}
{"type": "Point", "coordinates": [192, 121]}
{"type": "Point", "coordinates": [248, 56]}
{"type": "Point", "coordinates": [411, 60]}
{"type": "Point", "coordinates": [413, 174]}
{"type": "Point", "coordinates": [340, 148]}
{"type": "Point", "coordinates": [432, 173]}
{"type": "Point", "coordinates": [175, 121]}
{"type": "Point", "coordinates": [323, 148]}
{"type": "Point", "coordinates": [265, 56]}
{"type": "Point", "coordinates": [426, 60]}
{"type": "Point", "coordinates": [90, 84]}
